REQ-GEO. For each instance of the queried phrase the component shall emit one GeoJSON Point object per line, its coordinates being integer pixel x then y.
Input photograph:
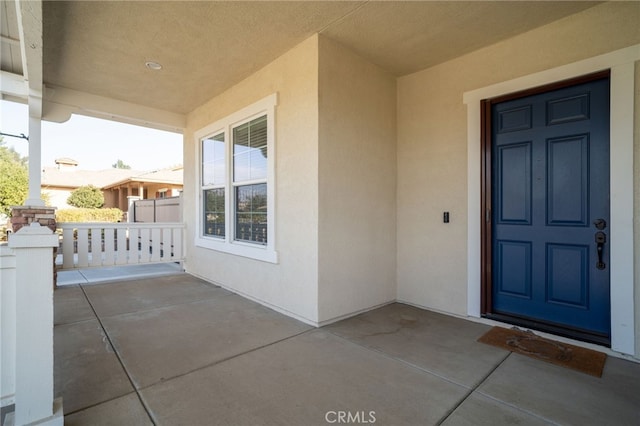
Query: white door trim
{"type": "Point", "coordinates": [621, 64]}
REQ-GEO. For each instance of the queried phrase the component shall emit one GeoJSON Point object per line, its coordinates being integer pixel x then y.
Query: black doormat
{"type": "Point", "coordinates": [527, 343]}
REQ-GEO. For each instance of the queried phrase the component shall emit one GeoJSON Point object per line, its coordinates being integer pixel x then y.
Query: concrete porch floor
{"type": "Point", "coordinates": [175, 350]}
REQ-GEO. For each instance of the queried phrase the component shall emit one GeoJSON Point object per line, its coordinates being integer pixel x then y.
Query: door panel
{"type": "Point", "coordinates": [567, 279]}
{"type": "Point", "coordinates": [550, 182]}
{"type": "Point", "coordinates": [514, 281]}
{"type": "Point", "coordinates": [568, 181]}
{"type": "Point", "coordinates": [514, 183]}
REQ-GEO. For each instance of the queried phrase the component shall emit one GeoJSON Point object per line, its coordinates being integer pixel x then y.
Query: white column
{"type": "Point", "coordinates": [34, 328]}
{"type": "Point", "coordinates": [35, 151]}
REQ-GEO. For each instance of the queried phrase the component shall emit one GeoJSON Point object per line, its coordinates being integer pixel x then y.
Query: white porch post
{"type": "Point", "coordinates": [34, 402]}
{"type": "Point", "coordinates": [29, 14]}
{"type": "Point", "coordinates": [35, 152]}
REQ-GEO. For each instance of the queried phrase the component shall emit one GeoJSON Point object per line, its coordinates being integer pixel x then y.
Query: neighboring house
{"type": "Point", "coordinates": [116, 184]}
{"type": "Point", "coordinates": [326, 142]}
{"type": "Point", "coordinates": [162, 183]}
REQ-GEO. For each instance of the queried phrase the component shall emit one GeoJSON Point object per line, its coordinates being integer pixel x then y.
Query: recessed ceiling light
{"type": "Point", "coordinates": [155, 66]}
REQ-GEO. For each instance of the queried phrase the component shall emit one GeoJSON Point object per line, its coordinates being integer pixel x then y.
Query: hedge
{"type": "Point", "coordinates": [89, 215]}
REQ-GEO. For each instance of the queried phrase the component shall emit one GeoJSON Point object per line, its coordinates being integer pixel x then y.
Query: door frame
{"type": "Point", "coordinates": [486, 208]}
{"type": "Point", "coordinates": [622, 65]}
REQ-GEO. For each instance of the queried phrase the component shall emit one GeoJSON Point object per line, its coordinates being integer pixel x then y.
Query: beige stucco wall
{"type": "Point", "coordinates": [290, 285]}
{"type": "Point", "coordinates": [636, 207]}
{"type": "Point", "coordinates": [335, 225]}
{"type": "Point", "coordinates": [357, 185]}
{"type": "Point", "coordinates": [366, 164]}
{"type": "Point", "coordinates": [432, 144]}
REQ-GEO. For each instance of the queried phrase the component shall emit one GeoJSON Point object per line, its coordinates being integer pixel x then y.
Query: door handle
{"type": "Point", "coordinates": [600, 224]}
{"type": "Point", "coordinates": [601, 239]}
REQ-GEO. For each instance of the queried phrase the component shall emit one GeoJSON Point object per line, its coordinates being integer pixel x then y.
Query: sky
{"type": "Point", "coordinates": [94, 143]}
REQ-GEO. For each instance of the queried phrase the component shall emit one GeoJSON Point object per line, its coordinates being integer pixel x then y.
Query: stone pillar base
{"type": "Point", "coordinates": [45, 216]}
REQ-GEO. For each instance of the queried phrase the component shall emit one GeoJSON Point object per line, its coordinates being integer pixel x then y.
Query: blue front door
{"type": "Point", "coordinates": [550, 208]}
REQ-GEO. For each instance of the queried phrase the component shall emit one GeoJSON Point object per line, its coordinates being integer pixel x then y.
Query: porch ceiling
{"type": "Point", "coordinates": [100, 47]}
{"type": "Point", "coordinates": [10, 56]}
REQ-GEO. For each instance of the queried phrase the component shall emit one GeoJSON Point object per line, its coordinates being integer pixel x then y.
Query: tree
{"type": "Point", "coordinates": [120, 165]}
{"type": "Point", "coordinates": [88, 197]}
{"type": "Point", "coordinates": [14, 179]}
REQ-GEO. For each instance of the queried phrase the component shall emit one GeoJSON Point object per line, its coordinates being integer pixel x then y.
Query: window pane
{"type": "Point", "coordinates": [250, 150]}
{"type": "Point", "coordinates": [213, 162]}
{"type": "Point", "coordinates": [250, 165]}
{"type": "Point", "coordinates": [251, 213]}
{"type": "Point", "coordinates": [214, 212]}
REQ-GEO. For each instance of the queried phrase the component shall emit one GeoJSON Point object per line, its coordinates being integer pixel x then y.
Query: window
{"type": "Point", "coordinates": [236, 183]}
{"type": "Point", "coordinates": [213, 185]}
{"type": "Point", "coordinates": [250, 158]}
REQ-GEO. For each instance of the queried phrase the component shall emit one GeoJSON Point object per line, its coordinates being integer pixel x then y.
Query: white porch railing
{"type": "Point", "coordinates": [109, 244]}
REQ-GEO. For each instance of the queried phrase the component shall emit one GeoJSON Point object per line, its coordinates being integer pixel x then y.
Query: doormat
{"type": "Point", "coordinates": [562, 354]}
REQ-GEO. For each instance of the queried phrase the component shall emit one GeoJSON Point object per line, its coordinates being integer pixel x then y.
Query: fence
{"type": "Point", "coordinates": [109, 244]}
{"type": "Point", "coordinates": [157, 210]}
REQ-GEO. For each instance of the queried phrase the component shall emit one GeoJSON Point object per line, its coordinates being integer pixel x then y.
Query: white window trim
{"type": "Point", "coordinates": [265, 253]}
{"type": "Point", "coordinates": [621, 63]}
